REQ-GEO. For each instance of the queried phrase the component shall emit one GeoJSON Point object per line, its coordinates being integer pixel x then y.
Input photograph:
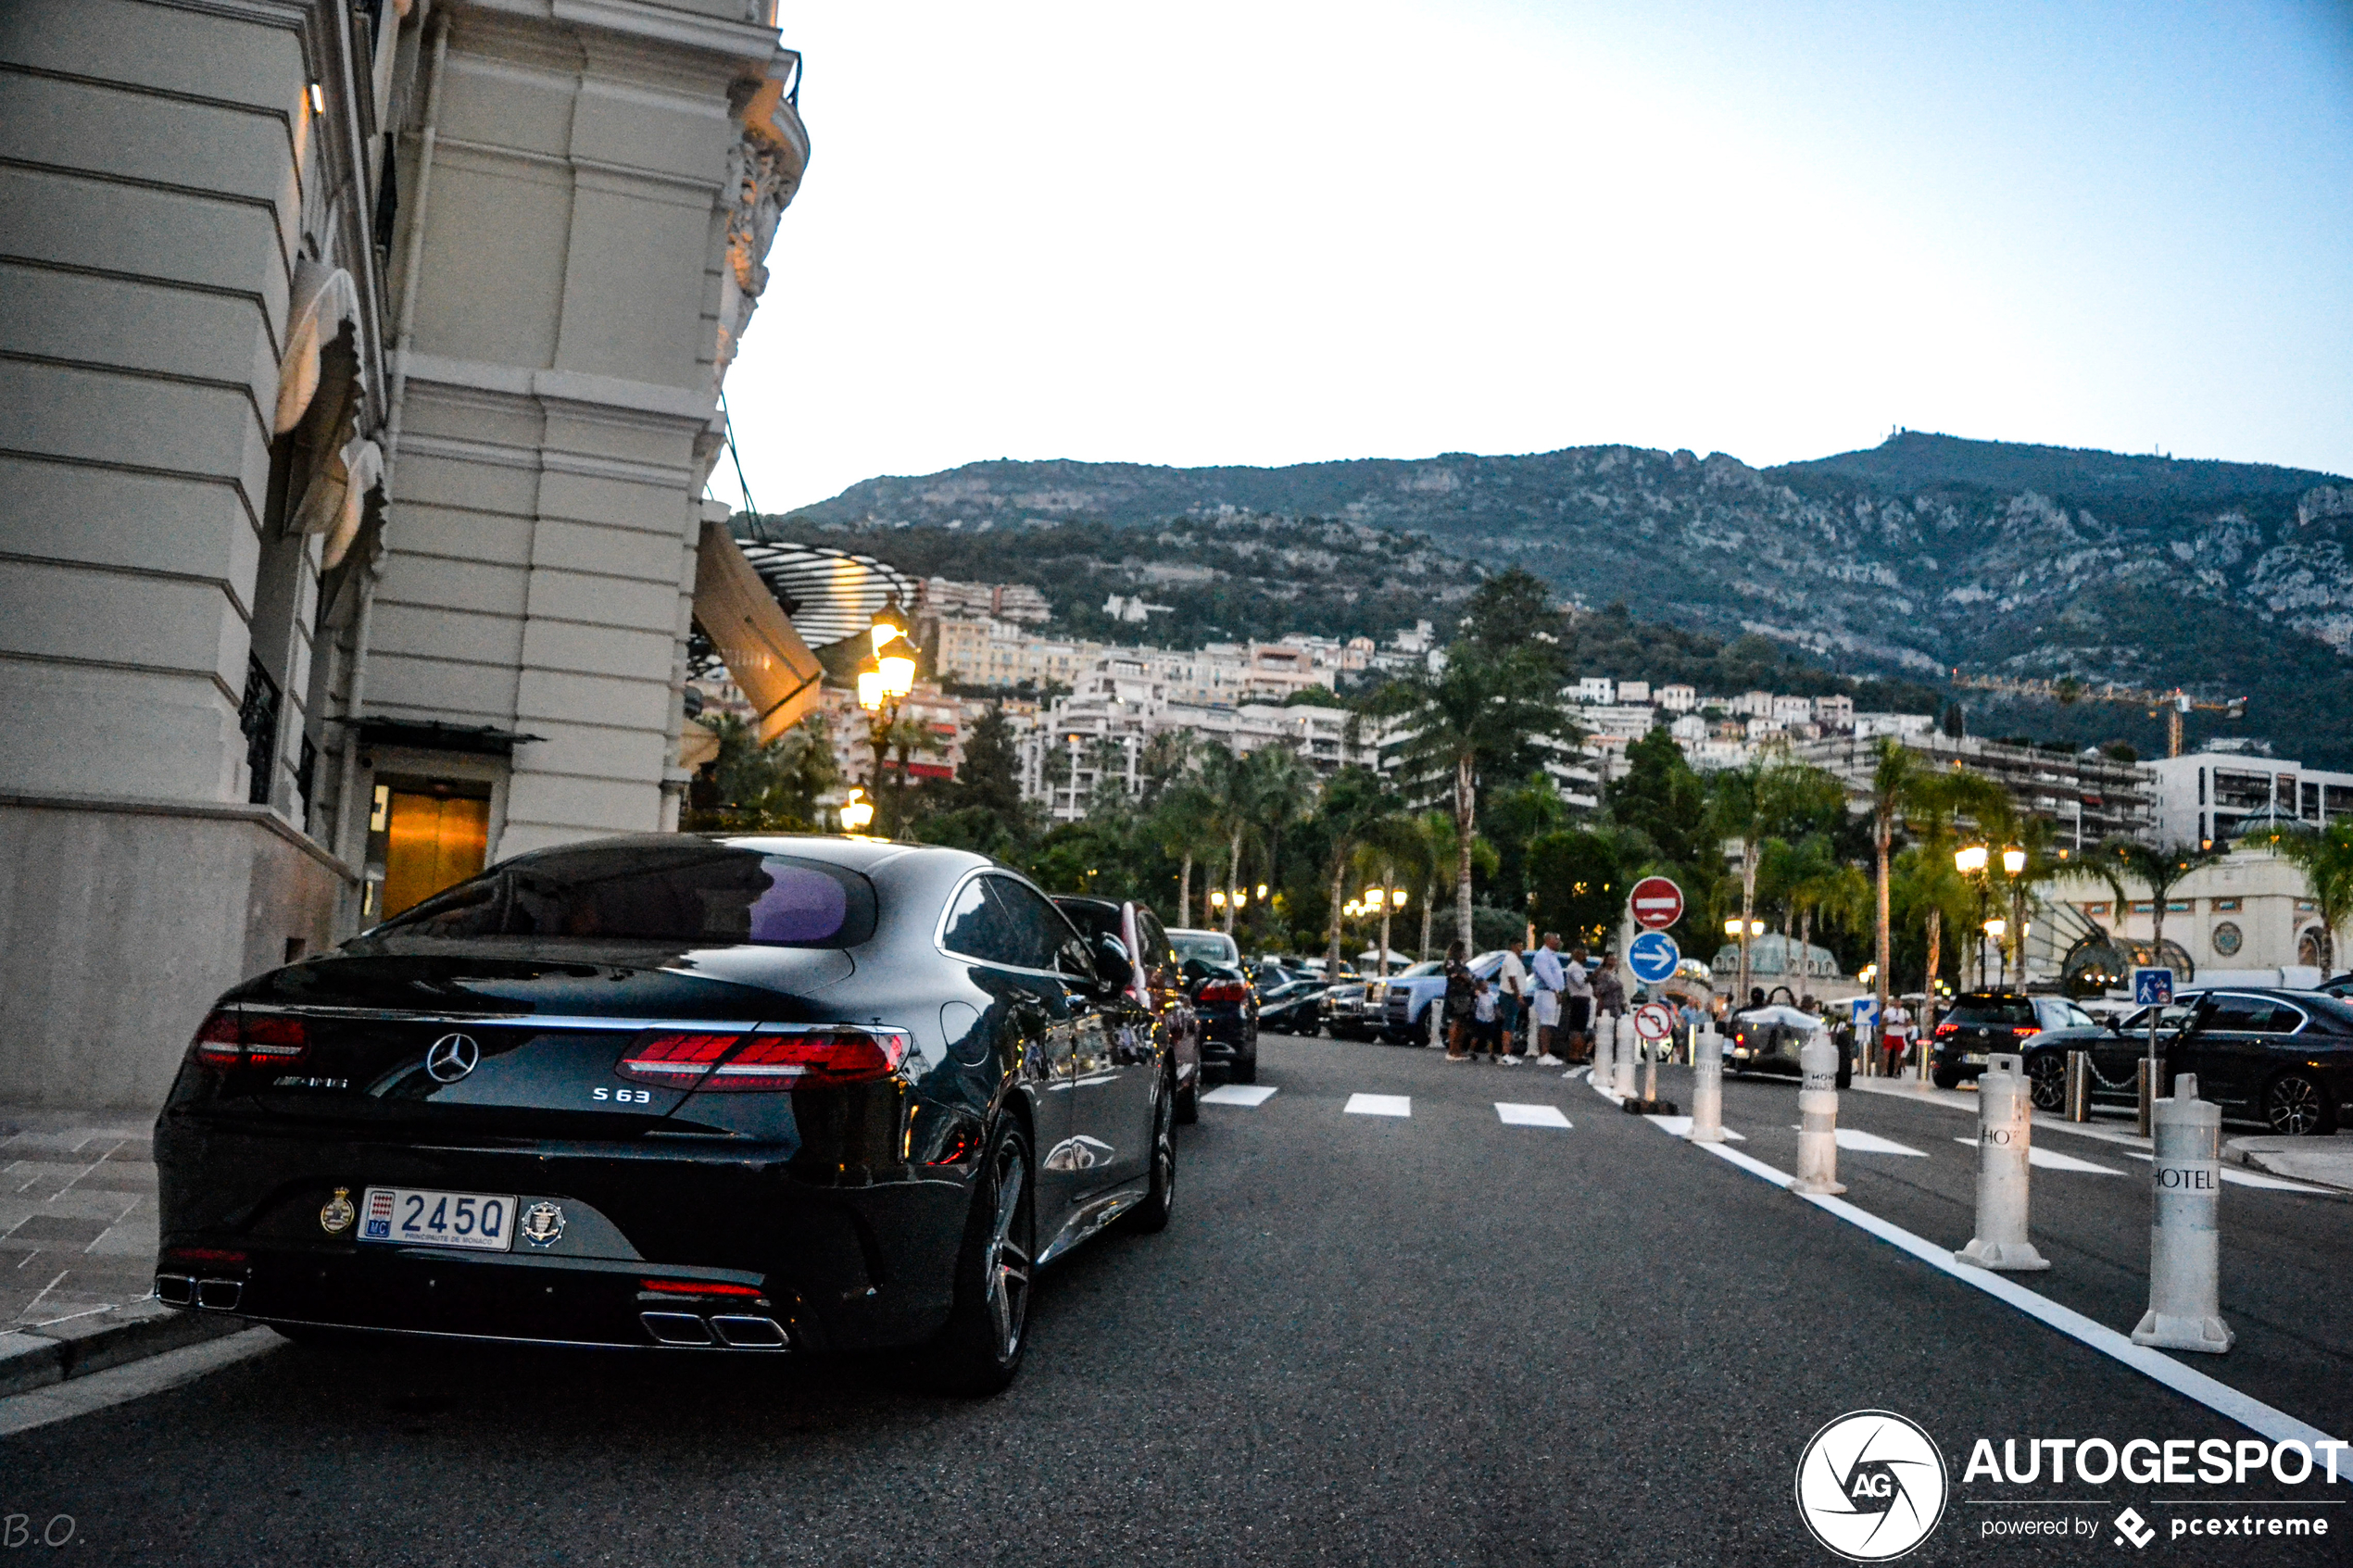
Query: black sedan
{"type": "Point", "coordinates": [2281, 1058]}
{"type": "Point", "coordinates": [1226, 1004]}
{"type": "Point", "coordinates": [753, 1094]}
{"type": "Point", "coordinates": [2116, 1047]}
{"type": "Point", "coordinates": [1294, 1007]}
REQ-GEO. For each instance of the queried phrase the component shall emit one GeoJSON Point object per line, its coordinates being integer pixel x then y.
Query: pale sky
{"type": "Point", "coordinates": [1285, 231]}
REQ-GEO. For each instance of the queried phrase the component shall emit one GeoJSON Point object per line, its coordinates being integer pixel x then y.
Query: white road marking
{"type": "Point", "coordinates": [1855, 1141]}
{"type": "Point", "coordinates": [1380, 1105]}
{"type": "Point", "coordinates": [2249, 1179]}
{"type": "Point", "coordinates": [1680, 1126]}
{"type": "Point", "coordinates": [2050, 1162]}
{"type": "Point", "coordinates": [81, 1395]}
{"type": "Point", "coordinates": [1252, 1094]}
{"type": "Point", "coordinates": [2220, 1398]}
{"type": "Point", "coordinates": [1531, 1115]}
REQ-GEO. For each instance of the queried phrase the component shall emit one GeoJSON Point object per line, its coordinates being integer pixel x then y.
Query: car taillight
{"type": "Point", "coordinates": [817, 1057]}
{"type": "Point", "coordinates": [726, 1062]}
{"type": "Point", "coordinates": [2023, 1030]}
{"type": "Point", "coordinates": [231, 1037]}
{"type": "Point", "coordinates": [674, 1059]}
{"type": "Point", "coordinates": [1225, 991]}
{"type": "Point", "coordinates": [697, 1287]}
{"type": "Point", "coordinates": [1945, 1029]}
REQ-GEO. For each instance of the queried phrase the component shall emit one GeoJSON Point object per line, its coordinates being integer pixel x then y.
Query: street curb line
{"type": "Point", "coordinates": [37, 1356]}
{"type": "Point", "coordinates": [135, 1380]}
{"type": "Point", "coordinates": [2220, 1398]}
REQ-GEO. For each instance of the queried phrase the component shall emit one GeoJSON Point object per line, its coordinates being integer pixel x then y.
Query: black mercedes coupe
{"type": "Point", "coordinates": [742, 1094]}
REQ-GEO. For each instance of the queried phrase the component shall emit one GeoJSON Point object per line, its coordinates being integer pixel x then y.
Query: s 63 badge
{"type": "Point", "coordinates": [542, 1225]}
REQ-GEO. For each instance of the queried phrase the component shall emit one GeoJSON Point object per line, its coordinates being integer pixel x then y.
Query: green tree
{"type": "Point", "coordinates": [2157, 867]}
{"type": "Point", "coordinates": [1580, 884]}
{"type": "Point", "coordinates": [1502, 712]}
{"type": "Point", "coordinates": [1356, 806]}
{"type": "Point", "coordinates": [1662, 798]}
{"type": "Point", "coordinates": [1892, 775]}
{"type": "Point", "coordinates": [989, 778]}
{"type": "Point", "coordinates": [2326, 859]}
{"type": "Point", "coordinates": [1769, 799]}
{"type": "Point", "coordinates": [771, 787]}
{"type": "Point", "coordinates": [1935, 805]}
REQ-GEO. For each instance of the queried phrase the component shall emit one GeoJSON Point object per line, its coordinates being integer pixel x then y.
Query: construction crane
{"type": "Point", "coordinates": [2068, 690]}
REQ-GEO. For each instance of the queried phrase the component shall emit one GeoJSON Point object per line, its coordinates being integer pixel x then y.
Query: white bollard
{"type": "Point", "coordinates": [2186, 1306]}
{"type": "Point", "coordinates": [1818, 1116]}
{"type": "Point", "coordinates": [1626, 1042]}
{"type": "Point", "coordinates": [1650, 1072]}
{"type": "Point", "coordinates": [1707, 1085]}
{"type": "Point", "coordinates": [1604, 1051]}
{"type": "Point", "coordinates": [2005, 1135]}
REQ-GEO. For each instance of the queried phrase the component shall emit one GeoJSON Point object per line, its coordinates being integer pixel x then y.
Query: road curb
{"type": "Point", "coordinates": [37, 1356]}
{"type": "Point", "coordinates": [2294, 1158]}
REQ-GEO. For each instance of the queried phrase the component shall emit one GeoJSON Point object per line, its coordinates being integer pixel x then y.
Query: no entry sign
{"type": "Point", "coordinates": [1656, 903]}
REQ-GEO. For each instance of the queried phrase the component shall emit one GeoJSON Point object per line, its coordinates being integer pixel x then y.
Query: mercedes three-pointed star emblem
{"type": "Point", "coordinates": [452, 1057]}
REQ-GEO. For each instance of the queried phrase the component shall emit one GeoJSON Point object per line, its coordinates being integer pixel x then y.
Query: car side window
{"type": "Point", "coordinates": [1036, 929]}
{"type": "Point", "coordinates": [2236, 1015]}
{"type": "Point", "coordinates": [1158, 957]}
{"type": "Point", "coordinates": [978, 928]}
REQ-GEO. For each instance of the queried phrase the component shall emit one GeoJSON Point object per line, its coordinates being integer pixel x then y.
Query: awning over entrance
{"type": "Point", "coordinates": [750, 632]}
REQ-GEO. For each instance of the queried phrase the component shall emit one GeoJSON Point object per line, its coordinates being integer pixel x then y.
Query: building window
{"type": "Point", "coordinates": [2143, 906]}
{"type": "Point", "coordinates": [2097, 911]}
{"type": "Point", "coordinates": [258, 720]}
{"type": "Point", "coordinates": [2226, 905]}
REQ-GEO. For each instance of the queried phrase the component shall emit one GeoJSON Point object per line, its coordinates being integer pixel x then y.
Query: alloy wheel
{"type": "Point", "coordinates": [2046, 1079]}
{"type": "Point", "coordinates": [2293, 1106]}
{"type": "Point", "coordinates": [1007, 1261]}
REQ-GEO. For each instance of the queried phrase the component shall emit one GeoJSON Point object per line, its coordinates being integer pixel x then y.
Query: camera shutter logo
{"type": "Point", "coordinates": [452, 1057]}
{"type": "Point", "coordinates": [1871, 1486]}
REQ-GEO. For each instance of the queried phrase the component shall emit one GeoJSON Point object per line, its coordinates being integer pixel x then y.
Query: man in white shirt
{"type": "Point", "coordinates": [1577, 1005]}
{"type": "Point", "coordinates": [1511, 992]}
{"type": "Point", "coordinates": [1895, 1030]}
{"type": "Point", "coordinates": [1551, 981]}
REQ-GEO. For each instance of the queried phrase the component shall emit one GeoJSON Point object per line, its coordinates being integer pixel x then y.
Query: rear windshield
{"type": "Point", "coordinates": [1983, 1009]}
{"type": "Point", "coordinates": [1209, 947]}
{"type": "Point", "coordinates": [705, 895]}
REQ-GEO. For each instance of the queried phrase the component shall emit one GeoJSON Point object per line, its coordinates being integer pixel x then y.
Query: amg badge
{"type": "Point", "coordinates": [336, 1214]}
{"type": "Point", "coordinates": [542, 1225]}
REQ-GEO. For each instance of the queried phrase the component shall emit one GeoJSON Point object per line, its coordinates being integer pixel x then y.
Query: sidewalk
{"type": "Point", "coordinates": [78, 1249]}
{"type": "Point", "coordinates": [2325, 1162]}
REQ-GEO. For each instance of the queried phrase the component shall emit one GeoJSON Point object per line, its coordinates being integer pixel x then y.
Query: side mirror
{"type": "Point", "coordinates": [1115, 970]}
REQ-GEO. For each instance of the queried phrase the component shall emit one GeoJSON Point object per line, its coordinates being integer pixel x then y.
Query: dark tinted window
{"type": "Point", "coordinates": [1991, 1009]}
{"type": "Point", "coordinates": [693, 891]}
{"type": "Point", "coordinates": [1154, 938]}
{"type": "Point", "coordinates": [1037, 928]}
{"type": "Point", "coordinates": [979, 928]}
{"type": "Point", "coordinates": [2250, 1015]}
{"type": "Point", "coordinates": [1092, 918]}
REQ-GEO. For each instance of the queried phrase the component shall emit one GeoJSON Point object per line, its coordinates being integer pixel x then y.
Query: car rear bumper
{"type": "Point", "coordinates": [864, 1260]}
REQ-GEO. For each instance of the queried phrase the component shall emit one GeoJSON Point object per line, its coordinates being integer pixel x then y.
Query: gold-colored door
{"type": "Point", "coordinates": [433, 842]}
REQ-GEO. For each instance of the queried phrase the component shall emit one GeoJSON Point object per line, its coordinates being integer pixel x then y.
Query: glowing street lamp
{"type": "Point", "coordinates": [1998, 928]}
{"type": "Point", "coordinates": [2014, 860]}
{"type": "Point", "coordinates": [1970, 859]}
{"type": "Point", "coordinates": [885, 681]}
{"type": "Point", "coordinates": [856, 813]}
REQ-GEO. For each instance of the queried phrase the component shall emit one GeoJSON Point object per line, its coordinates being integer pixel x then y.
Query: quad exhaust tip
{"type": "Point", "coordinates": [731, 1332]}
{"type": "Point", "coordinates": [212, 1295]}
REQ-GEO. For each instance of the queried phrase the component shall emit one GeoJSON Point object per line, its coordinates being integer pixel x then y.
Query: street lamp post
{"type": "Point", "coordinates": [1384, 902]}
{"type": "Point", "coordinates": [1969, 860]}
{"type": "Point", "coordinates": [2014, 867]}
{"type": "Point", "coordinates": [884, 682]}
{"type": "Point", "coordinates": [1743, 932]}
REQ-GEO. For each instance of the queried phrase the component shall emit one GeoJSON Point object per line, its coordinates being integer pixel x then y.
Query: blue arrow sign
{"type": "Point", "coordinates": [1653, 956]}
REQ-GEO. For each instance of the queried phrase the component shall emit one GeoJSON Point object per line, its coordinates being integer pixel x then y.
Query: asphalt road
{"type": "Point", "coordinates": [1435, 1338]}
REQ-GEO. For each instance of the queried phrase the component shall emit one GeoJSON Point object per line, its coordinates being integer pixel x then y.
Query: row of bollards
{"type": "Point", "coordinates": [2184, 1310]}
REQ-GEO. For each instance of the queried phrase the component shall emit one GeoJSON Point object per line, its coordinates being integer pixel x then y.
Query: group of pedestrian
{"type": "Point", "coordinates": [1537, 1007]}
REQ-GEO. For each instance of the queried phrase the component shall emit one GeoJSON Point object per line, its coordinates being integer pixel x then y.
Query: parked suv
{"type": "Point", "coordinates": [1224, 1000]}
{"type": "Point", "coordinates": [1405, 1015]}
{"type": "Point", "coordinates": [1158, 986]}
{"type": "Point", "coordinates": [1978, 1023]}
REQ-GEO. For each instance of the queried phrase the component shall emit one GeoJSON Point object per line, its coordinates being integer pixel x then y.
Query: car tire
{"type": "Point", "coordinates": [1189, 1101]}
{"type": "Point", "coordinates": [1245, 1070]}
{"type": "Point", "coordinates": [2296, 1105]}
{"type": "Point", "coordinates": [988, 1331]}
{"type": "Point", "coordinates": [2047, 1080]}
{"type": "Point", "coordinates": [1945, 1078]}
{"type": "Point", "coordinates": [1151, 1216]}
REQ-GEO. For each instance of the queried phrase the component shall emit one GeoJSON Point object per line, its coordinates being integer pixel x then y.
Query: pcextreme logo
{"type": "Point", "coordinates": [1871, 1486]}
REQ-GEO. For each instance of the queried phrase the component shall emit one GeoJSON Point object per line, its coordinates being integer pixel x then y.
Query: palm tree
{"type": "Point", "coordinates": [1935, 804]}
{"type": "Point", "coordinates": [1182, 823]}
{"type": "Point", "coordinates": [2157, 867]}
{"type": "Point", "coordinates": [1253, 796]}
{"type": "Point", "coordinates": [1828, 887]}
{"type": "Point", "coordinates": [2326, 859]}
{"type": "Point", "coordinates": [1890, 777]}
{"type": "Point", "coordinates": [1750, 804]}
{"type": "Point", "coordinates": [1356, 805]}
{"type": "Point", "coordinates": [1482, 708]}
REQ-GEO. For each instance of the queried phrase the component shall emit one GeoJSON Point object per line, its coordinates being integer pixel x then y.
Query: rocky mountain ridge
{"type": "Point", "coordinates": [1922, 555]}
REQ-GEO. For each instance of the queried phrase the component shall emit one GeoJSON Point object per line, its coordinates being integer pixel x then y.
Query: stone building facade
{"type": "Point", "coordinates": [358, 380]}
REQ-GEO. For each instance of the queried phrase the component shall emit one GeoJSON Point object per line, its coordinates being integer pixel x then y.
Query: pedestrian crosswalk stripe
{"type": "Point", "coordinates": [1531, 1115]}
{"type": "Point", "coordinates": [2050, 1161]}
{"type": "Point", "coordinates": [1380, 1105]}
{"type": "Point", "coordinates": [1252, 1094]}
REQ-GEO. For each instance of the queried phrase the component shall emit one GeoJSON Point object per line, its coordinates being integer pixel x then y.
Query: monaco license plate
{"type": "Point", "coordinates": [415, 1217]}
{"type": "Point", "coordinates": [1973, 1059]}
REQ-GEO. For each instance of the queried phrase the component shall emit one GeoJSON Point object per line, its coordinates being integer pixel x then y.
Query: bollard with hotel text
{"type": "Point", "coordinates": [2185, 1177]}
{"type": "Point", "coordinates": [1817, 1117]}
{"type": "Point", "coordinates": [2005, 1135]}
{"type": "Point", "coordinates": [1707, 1085]}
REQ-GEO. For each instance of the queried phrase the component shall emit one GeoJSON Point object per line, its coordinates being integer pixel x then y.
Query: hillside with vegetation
{"type": "Point", "coordinates": [1921, 556]}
